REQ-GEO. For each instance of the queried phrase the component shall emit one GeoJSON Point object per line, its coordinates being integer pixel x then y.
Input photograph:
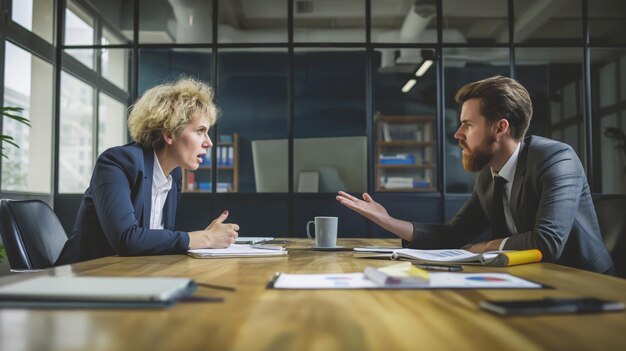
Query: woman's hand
{"type": "Point", "coordinates": [218, 235]}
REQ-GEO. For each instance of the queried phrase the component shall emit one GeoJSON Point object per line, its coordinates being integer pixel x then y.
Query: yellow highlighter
{"type": "Point", "coordinates": [513, 258]}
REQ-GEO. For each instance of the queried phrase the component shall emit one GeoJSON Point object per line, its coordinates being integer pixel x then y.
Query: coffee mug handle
{"type": "Point", "coordinates": [307, 229]}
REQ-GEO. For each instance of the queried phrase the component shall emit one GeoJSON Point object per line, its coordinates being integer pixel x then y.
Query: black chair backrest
{"type": "Point", "coordinates": [611, 211]}
{"type": "Point", "coordinates": [32, 235]}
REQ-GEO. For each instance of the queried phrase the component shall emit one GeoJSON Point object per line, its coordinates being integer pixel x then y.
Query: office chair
{"type": "Point", "coordinates": [610, 211]}
{"type": "Point", "coordinates": [32, 235]}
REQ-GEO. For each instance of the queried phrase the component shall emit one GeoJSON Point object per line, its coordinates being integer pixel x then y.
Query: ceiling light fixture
{"type": "Point", "coordinates": [428, 58]}
{"type": "Point", "coordinates": [409, 85]}
{"type": "Point", "coordinates": [423, 68]}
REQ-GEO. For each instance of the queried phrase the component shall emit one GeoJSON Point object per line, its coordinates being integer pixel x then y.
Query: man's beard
{"type": "Point", "coordinates": [475, 160]}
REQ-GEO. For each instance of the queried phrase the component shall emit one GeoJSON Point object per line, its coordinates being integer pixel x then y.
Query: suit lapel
{"type": "Point", "coordinates": [148, 157]}
{"type": "Point", "coordinates": [518, 181]}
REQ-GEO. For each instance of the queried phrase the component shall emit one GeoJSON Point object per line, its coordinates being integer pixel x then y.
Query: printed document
{"type": "Point", "coordinates": [437, 281]}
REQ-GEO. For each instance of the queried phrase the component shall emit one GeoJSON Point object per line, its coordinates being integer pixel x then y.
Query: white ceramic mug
{"type": "Point", "coordinates": [325, 231]}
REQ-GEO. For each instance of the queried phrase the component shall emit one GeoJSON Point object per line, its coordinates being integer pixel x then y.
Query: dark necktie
{"type": "Point", "coordinates": [498, 228]}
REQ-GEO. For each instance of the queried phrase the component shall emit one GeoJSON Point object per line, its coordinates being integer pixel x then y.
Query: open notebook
{"type": "Point", "coordinates": [453, 256]}
{"type": "Point", "coordinates": [88, 292]}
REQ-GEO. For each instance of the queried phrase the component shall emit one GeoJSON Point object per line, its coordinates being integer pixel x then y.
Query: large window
{"type": "Point", "coordinates": [28, 84]}
{"type": "Point", "coordinates": [94, 87]}
{"type": "Point", "coordinates": [114, 66]}
{"type": "Point", "coordinates": [36, 16]}
{"type": "Point", "coordinates": [111, 122]}
{"type": "Point", "coordinates": [79, 30]}
{"type": "Point", "coordinates": [76, 134]}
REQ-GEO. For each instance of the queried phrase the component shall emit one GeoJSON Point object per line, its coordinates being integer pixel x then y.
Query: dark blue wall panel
{"type": "Point", "coordinates": [255, 216]}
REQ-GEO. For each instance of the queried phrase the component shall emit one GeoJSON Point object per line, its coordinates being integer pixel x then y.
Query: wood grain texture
{"type": "Point", "coordinates": [256, 318]}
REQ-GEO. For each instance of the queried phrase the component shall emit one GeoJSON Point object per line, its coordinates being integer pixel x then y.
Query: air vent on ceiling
{"type": "Point", "coordinates": [304, 6]}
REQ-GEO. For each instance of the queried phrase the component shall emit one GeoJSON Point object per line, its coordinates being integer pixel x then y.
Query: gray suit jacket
{"type": "Point", "coordinates": [550, 204]}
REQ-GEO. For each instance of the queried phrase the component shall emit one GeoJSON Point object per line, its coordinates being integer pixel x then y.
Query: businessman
{"type": "Point", "coordinates": [531, 192]}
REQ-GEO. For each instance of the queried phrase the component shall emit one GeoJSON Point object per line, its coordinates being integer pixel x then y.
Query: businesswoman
{"type": "Point", "coordinates": [130, 205]}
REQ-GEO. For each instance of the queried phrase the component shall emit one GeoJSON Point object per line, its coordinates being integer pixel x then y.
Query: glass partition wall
{"type": "Point", "coordinates": [315, 96]}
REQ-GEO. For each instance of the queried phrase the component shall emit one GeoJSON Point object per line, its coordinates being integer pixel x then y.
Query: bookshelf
{"type": "Point", "coordinates": [227, 169]}
{"type": "Point", "coordinates": [405, 153]}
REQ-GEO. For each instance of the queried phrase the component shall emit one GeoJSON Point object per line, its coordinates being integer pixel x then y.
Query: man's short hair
{"type": "Point", "coordinates": [169, 108]}
{"type": "Point", "coordinates": [501, 97]}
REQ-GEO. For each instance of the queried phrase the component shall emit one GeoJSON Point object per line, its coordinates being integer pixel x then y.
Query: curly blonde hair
{"type": "Point", "coordinates": [169, 108]}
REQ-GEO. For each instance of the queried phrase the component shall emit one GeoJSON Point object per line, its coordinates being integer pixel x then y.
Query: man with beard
{"type": "Point", "coordinates": [530, 191]}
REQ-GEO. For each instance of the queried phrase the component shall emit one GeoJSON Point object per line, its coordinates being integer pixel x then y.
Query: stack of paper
{"type": "Point", "coordinates": [237, 250]}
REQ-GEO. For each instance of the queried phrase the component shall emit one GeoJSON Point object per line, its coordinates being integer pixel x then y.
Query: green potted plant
{"type": "Point", "coordinates": [13, 113]}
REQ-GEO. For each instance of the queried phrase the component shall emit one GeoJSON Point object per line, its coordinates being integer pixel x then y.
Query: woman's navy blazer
{"type": "Point", "coordinates": [114, 215]}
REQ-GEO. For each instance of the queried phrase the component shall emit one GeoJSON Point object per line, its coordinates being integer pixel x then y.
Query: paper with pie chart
{"type": "Point", "coordinates": [480, 281]}
{"type": "Point", "coordinates": [437, 281]}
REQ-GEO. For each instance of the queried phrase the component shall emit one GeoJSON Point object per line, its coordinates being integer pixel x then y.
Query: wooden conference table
{"type": "Point", "coordinates": [256, 318]}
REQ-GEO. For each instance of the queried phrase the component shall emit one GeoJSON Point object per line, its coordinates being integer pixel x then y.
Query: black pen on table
{"type": "Point", "coordinates": [216, 287]}
{"type": "Point", "coordinates": [439, 267]}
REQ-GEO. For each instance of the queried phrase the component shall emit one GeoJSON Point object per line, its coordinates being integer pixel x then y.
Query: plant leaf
{"type": "Point", "coordinates": [11, 108]}
{"type": "Point", "coordinates": [11, 142]}
{"type": "Point", "coordinates": [18, 118]}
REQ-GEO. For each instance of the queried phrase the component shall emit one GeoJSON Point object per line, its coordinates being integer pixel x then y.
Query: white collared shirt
{"type": "Point", "coordinates": [508, 172]}
{"type": "Point", "coordinates": [160, 188]}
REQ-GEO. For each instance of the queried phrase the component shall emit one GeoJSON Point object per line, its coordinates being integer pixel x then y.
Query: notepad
{"type": "Point", "coordinates": [84, 292]}
{"type": "Point", "coordinates": [236, 250]}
